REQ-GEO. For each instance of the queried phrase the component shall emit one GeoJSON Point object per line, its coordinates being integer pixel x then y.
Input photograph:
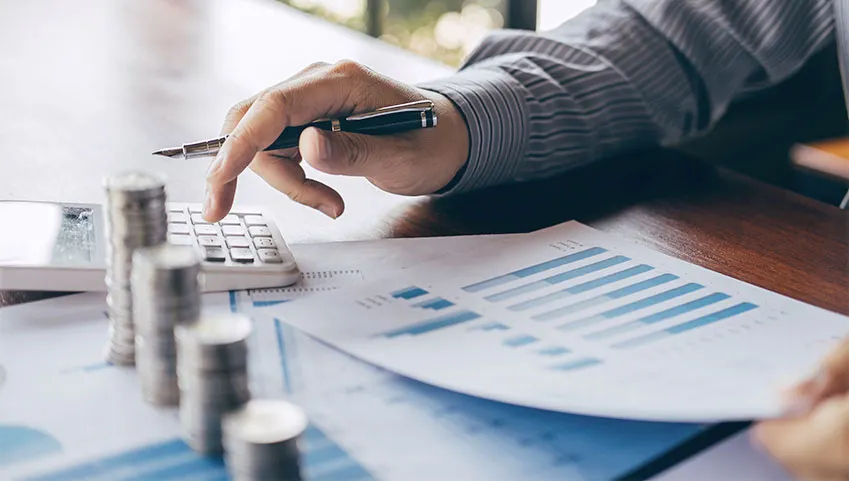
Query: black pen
{"type": "Point", "coordinates": [383, 121]}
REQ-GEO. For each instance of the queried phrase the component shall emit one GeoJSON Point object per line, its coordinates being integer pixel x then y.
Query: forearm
{"type": "Point", "coordinates": [620, 77]}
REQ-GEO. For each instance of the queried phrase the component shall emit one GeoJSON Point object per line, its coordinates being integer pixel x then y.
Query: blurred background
{"type": "Point", "coordinates": [444, 30]}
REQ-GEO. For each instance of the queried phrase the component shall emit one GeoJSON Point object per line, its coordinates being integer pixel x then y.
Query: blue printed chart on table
{"type": "Point", "coordinates": [70, 417]}
{"type": "Point", "coordinates": [574, 320]}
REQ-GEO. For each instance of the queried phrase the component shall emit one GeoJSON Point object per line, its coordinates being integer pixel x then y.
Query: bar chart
{"type": "Point", "coordinates": [173, 459]}
{"type": "Point", "coordinates": [573, 319]}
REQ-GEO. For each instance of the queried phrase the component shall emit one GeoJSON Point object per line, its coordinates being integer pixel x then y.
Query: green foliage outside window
{"type": "Point", "coordinates": [445, 30]}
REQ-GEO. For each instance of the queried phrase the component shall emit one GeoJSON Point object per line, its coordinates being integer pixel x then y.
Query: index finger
{"type": "Point", "coordinates": [291, 103]}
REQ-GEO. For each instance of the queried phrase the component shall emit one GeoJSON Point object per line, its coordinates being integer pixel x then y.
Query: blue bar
{"type": "Point", "coordinates": [193, 467]}
{"type": "Point", "coordinates": [576, 364]}
{"type": "Point", "coordinates": [657, 317]}
{"type": "Point", "coordinates": [535, 269]}
{"type": "Point", "coordinates": [138, 459]}
{"type": "Point", "coordinates": [350, 472]}
{"type": "Point", "coordinates": [609, 279]}
{"type": "Point", "coordinates": [553, 351]}
{"type": "Point", "coordinates": [711, 318]}
{"type": "Point", "coordinates": [268, 303]}
{"type": "Point", "coordinates": [651, 301]}
{"type": "Point", "coordinates": [434, 324]}
{"type": "Point", "coordinates": [618, 311]}
{"type": "Point", "coordinates": [326, 454]}
{"type": "Point", "coordinates": [641, 286]}
{"type": "Point", "coordinates": [687, 326]}
{"type": "Point", "coordinates": [562, 277]}
{"type": "Point", "coordinates": [685, 308]}
{"type": "Point", "coordinates": [409, 293]}
{"type": "Point", "coordinates": [519, 341]}
{"type": "Point", "coordinates": [618, 293]}
{"type": "Point", "coordinates": [435, 304]}
{"type": "Point", "coordinates": [173, 459]}
{"type": "Point", "coordinates": [492, 326]}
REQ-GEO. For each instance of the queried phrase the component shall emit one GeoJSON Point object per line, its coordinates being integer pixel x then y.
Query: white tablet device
{"type": "Point", "coordinates": [62, 247]}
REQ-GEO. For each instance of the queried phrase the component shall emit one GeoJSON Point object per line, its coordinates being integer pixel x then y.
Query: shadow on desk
{"type": "Point", "coordinates": [587, 194]}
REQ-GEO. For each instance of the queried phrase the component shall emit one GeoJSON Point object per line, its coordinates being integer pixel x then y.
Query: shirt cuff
{"type": "Point", "coordinates": [496, 113]}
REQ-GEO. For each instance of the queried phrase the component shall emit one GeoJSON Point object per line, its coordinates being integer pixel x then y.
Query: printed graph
{"type": "Point", "coordinates": [323, 461]}
{"type": "Point", "coordinates": [596, 294]}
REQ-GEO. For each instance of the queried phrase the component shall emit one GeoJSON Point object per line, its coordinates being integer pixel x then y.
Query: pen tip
{"type": "Point", "coordinates": [169, 152]}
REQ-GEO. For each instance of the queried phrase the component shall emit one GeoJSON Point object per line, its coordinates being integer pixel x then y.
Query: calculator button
{"type": "Point", "coordinates": [269, 256]}
{"type": "Point", "coordinates": [214, 254]}
{"type": "Point", "coordinates": [233, 230]}
{"type": "Point", "coordinates": [177, 217]}
{"type": "Point", "coordinates": [254, 220]}
{"type": "Point", "coordinates": [205, 229]}
{"type": "Point", "coordinates": [195, 210]}
{"type": "Point", "coordinates": [175, 209]}
{"type": "Point", "coordinates": [180, 240]}
{"type": "Point", "coordinates": [238, 241]}
{"type": "Point", "coordinates": [179, 229]}
{"type": "Point", "coordinates": [209, 240]}
{"type": "Point", "coordinates": [230, 219]}
{"type": "Point", "coordinates": [263, 242]}
{"type": "Point", "coordinates": [198, 219]}
{"type": "Point", "coordinates": [259, 231]}
{"type": "Point", "coordinates": [242, 255]}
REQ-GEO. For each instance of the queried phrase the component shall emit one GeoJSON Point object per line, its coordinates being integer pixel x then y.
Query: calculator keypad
{"type": "Point", "coordinates": [205, 229]}
{"type": "Point", "coordinates": [259, 231]}
{"type": "Point", "coordinates": [241, 254]}
{"type": "Point", "coordinates": [269, 256]}
{"type": "Point", "coordinates": [240, 237]}
{"type": "Point", "coordinates": [238, 241]}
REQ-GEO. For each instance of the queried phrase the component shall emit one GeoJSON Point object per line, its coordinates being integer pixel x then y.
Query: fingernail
{"type": "Point", "coordinates": [322, 146]}
{"type": "Point", "coordinates": [328, 210]}
{"type": "Point", "coordinates": [207, 203]}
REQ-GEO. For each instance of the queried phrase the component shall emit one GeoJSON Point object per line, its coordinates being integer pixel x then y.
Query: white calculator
{"type": "Point", "coordinates": [62, 247]}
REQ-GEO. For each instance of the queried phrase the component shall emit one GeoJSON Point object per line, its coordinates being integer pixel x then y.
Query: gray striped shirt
{"type": "Point", "coordinates": [624, 74]}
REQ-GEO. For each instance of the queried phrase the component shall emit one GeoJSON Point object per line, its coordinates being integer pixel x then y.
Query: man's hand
{"type": "Point", "coordinates": [412, 163]}
{"type": "Point", "coordinates": [814, 445]}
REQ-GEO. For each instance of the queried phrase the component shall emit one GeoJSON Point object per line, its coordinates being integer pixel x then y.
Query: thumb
{"type": "Point", "coordinates": [342, 153]}
{"type": "Point", "coordinates": [831, 378]}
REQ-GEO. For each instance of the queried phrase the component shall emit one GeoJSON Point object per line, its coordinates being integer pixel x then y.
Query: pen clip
{"type": "Point", "coordinates": [417, 106]}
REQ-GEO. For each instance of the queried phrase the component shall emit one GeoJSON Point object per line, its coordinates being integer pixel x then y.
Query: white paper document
{"type": "Point", "coordinates": [66, 415]}
{"type": "Point", "coordinates": [571, 319]}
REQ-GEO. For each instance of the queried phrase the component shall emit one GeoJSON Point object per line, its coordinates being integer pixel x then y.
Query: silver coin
{"type": "Point", "coordinates": [261, 439]}
{"type": "Point", "coordinates": [216, 386]}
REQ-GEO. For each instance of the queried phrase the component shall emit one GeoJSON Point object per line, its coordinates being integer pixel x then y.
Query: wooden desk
{"type": "Point", "coordinates": [96, 85]}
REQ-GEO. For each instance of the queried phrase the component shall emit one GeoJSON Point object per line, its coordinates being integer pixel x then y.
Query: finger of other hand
{"type": "Point", "coordinates": [831, 378]}
{"type": "Point", "coordinates": [815, 446]}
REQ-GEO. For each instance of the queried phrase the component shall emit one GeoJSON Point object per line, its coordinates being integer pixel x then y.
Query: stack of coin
{"type": "Point", "coordinates": [212, 369]}
{"type": "Point", "coordinates": [261, 441]}
{"type": "Point", "coordinates": [166, 293]}
{"type": "Point", "coordinates": [136, 217]}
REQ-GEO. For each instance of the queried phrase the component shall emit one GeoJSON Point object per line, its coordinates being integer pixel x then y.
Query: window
{"type": "Point", "coordinates": [445, 30]}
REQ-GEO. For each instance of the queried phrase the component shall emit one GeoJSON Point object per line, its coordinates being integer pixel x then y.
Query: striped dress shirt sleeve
{"type": "Point", "coordinates": [623, 75]}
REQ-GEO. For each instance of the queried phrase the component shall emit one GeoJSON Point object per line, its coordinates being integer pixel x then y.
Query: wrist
{"type": "Point", "coordinates": [450, 147]}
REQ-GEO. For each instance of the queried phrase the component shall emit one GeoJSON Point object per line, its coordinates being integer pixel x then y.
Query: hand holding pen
{"type": "Point", "coordinates": [410, 162]}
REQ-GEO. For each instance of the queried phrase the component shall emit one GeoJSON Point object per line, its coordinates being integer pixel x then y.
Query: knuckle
{"type": "Point", "coordinates": [298, 195]}
{"type": "Point", "coordinates": [348, 67]}
{"type": "Point", "coordinates": [316, 66]}
{"type": "Point", "coordinates": [236, 112]}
